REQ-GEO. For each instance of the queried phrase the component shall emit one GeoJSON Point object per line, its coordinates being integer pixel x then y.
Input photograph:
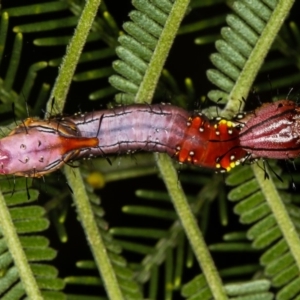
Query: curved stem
{"type": "Point", "coordinates": [92, 233]}
{"type": "Point", "coordinates": [256, 59]}
{"type": "Point", "coordinates": [16, 250]}
{"type": "Point", "coordinates": [74, 178]}
{"type": "Point", "coordinates": [167, 37]}
{"type": "Point", "coordinates": [279, 211]}
{"type": "Point", "coordinates": [69, 62]}
{"type": "Point", "coordinates": [190, 226]}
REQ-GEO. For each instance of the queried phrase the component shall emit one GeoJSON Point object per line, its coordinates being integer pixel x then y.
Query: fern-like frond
{"type": "Point", "coordinates": [22, 249]}
{"type": "Point", "coordinates": [91, 216]}
{"type": "Point", "coordinates": [169, 245]}
{"type": "Point", "coordinates": [103, 29]}
{"type": "Point", "coordinates": [8, 95]}
{"type": "Point", "coordinates": [267, 233]}
{"type": "Point", "coordinates": [243, 48]}
{"type": "Point", "coordinates": [256, 289]}
{"type": "Point", "coordinates": [144, 50]}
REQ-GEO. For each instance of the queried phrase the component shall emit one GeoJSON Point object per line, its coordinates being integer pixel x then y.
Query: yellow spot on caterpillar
{"type": "Point", "coordinates": [226, 122]}
{"type": "Point", "coordinates": [232, 164]}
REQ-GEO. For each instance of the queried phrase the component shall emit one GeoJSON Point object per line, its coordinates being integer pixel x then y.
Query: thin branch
{"type": "Point", "coordinates": [94, 238]}
{"type": "Point", "coordinates": [279, 211]}
{"type": "Point", "coordinates": [16, 250]}
{"type": "Point", "coordinates": [69, 62]}
{"type": "Point", "coordinates": [190, 226]}
{"type": "Point", "coordinates": [148, 85]}
{"type": "Point", "coordinates": [257, 57]}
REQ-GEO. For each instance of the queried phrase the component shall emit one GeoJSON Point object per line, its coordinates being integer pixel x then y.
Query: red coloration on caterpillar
{"type": "Point", "coordinates": [220, 151]}
{"type": "Point", "coordinates": [38, 147]}
{"type": "Point", "coordinates": [162, 128]}
{"type": "Point", "coordinates": [272, 131]}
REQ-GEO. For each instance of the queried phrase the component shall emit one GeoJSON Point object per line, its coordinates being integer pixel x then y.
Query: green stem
{"type": "Point", "coordinates": [16, 250]}
{"type": "Point", "coordinates": [167, 37]}
{"type": "Point", "coordinates": [279, 211]}
{"type": "Point", "coordinates": [190, 226]}
{"type": "Point", "coordinates": [92, 233]}
{"type": "Point", "coordinates": [80, 197]}
{"type": "Point", "coordinates": [257, 57]}
{"type": "Point", "coordinates": [69, 62]}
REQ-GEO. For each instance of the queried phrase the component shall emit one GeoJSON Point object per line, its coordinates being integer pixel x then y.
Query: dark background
{"type": "Point", "coordinates": [181, 66]}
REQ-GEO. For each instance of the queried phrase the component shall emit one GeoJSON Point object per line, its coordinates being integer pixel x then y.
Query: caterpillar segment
{"type": "Point", "coordinates": [272, 131]}
{"type": "Point", "coordinates": [38, 147]}
{"type": "Point", "coordinates": [220, 144]}
{"type": "Point", "coordinates": [163, 128]}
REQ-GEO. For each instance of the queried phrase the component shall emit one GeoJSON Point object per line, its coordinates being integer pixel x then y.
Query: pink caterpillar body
{"type": "Point", "coordinates": [162, 128]}
{"type": "Point", "coordinates": [38, 147]}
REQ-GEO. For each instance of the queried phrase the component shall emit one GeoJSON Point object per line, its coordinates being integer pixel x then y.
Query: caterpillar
{"type": "Point", "coordinates": [37, 147]}
{"type": "Point", "coordinates": [188, 138]}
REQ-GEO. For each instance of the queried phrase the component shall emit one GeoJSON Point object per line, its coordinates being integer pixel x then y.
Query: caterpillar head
{"type": "Point", "coordinates": [40, 148]}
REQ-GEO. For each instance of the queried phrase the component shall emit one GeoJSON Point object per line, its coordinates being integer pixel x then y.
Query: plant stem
{"type": "Point", "coordinates": [279, 211]}
{"type": "Point", "coordinates": [167, 37]}
{"type": "Point", "coordinates": [80, 197]}
{"type": "Point", "coordinates": [69, 62]}
{"type": "Point", "coordinates": [16, 250]}
{"type": "Point", "coordinates": [248, 74]}
{"type": "Point", "coordinates": [92, 233]}
{"type": "Point", "coordinates": [190, 226]}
